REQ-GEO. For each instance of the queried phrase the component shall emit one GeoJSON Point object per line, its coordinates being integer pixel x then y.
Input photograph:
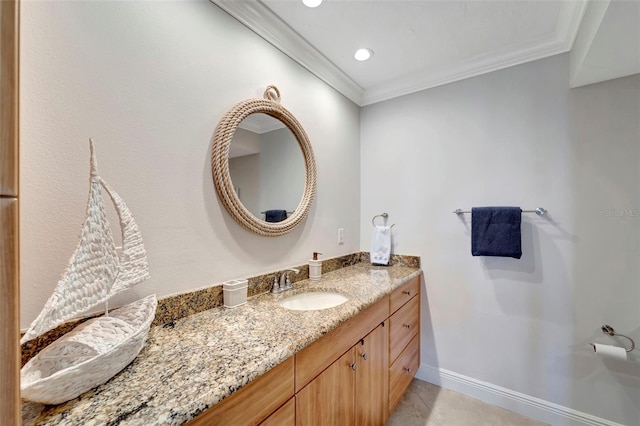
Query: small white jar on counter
{"type": "Point", "coordinates": [235, 293]}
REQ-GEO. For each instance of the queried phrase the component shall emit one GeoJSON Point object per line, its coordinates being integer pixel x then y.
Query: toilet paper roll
{"type": "Point", "coordinates": [610, 352]}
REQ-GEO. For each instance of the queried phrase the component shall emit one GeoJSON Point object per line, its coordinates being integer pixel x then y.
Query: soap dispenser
{"type": "Point", "coordinates": [315, 267]}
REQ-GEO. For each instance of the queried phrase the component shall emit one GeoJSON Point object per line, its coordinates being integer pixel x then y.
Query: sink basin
{"type": "Point", "coordinates": [313, 301]}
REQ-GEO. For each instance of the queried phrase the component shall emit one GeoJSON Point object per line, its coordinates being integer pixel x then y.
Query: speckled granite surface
{"type": "Point", "coordinates": [178, 306]}
{"type": "Point", "coordinates": [190, 364]}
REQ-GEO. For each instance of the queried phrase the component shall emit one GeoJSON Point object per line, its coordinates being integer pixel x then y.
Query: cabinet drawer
{"type": "Point", "coordinates": [403, 294]}
{"type": "Point", "coordinates": [402, 371]}
{"type": "Point", "coordinates": [320, 354]}
{"type": "Point", "coordinates": [404, 325]}
{"type": "Point", "coordinates": [253, 403]}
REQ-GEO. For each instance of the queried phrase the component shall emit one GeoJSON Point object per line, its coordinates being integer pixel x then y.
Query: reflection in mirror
{"type": "Point", "coordinates": [267, 167]}
{"type": "Point", "coordinates": [228, 190]}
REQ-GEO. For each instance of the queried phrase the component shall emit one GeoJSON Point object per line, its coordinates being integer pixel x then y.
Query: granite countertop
{"type": "Point", "coordinates": [190, 364]}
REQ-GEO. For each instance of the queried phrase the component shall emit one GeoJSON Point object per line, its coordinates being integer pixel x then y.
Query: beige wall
{"type": "Point", "coordinates": [518, 137]}
{"type": "Point", "coordinates": [149, 82]}
{"type": "Point", "coordinates": [282, 171]}
{"type": "Point", "coordinates": [245, 174]}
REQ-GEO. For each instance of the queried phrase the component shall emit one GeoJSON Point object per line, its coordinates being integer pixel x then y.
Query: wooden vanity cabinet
{"type": "Point", "coordinates": [313, 359]}
{"type": "Point", "coordinates": [353, 389]}
{"type": "Point", "coordinates": [354, 375]}
{"type": "Point", "coordinates": [392, 352]}
{"type": "Point", "coordinates": [342, 377]}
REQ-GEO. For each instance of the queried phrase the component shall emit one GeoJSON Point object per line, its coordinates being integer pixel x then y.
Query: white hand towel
{"type": "Point", "coordinates": [381, 245]}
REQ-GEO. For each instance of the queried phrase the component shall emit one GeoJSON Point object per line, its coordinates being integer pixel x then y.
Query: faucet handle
{"type": "Point", "coordinates": [287, 284]}
{"type": "Point", "coordinates": [285, 281]}
{"type": "Point", "coordinates": [276, 286]}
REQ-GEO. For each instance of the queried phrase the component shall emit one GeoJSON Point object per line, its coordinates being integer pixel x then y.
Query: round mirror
{"type": "Point", "coordinates": [267, 168]}
{"type": "Point", "coordinates": [263, 166]}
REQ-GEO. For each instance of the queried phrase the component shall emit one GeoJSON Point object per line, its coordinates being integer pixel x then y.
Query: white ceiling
{"type": "Point", "coordinates": [417, 44]}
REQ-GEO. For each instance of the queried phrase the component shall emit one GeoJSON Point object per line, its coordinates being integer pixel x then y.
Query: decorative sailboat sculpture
{"type": "Point", "coordinates": [97, 349]}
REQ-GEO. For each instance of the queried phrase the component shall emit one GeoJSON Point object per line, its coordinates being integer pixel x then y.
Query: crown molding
{"type": "Point", "coordinates": [561, 41]}
{"type": "Point", "coordinates": [570, 20]}
{"type": "Point", "coordinates": [471, 68]}
{"type": "Point", "coordinates": [261, 123]}
{"type": "Point", "coordinates": [261, 20]}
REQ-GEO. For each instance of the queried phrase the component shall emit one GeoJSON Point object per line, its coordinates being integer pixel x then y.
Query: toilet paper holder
{"type": "Point", "coordinates": [607, 329]}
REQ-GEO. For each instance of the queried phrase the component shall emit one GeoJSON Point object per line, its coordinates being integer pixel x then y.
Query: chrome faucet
{"type": "Point", "coordinates": [285, 281]}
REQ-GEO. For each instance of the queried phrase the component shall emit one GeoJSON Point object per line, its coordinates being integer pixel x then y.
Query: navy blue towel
{"type": "Point", "coordinates": [275, 215]}
{"type": "Point", "coordinates": [495, 231]}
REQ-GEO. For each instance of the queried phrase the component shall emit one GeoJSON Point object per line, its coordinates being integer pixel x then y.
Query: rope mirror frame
{"type": "Point", "coordinates": [224, 133]}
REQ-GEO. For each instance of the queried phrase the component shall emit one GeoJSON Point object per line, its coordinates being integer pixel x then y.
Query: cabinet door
{"type": "Point", "coordinates": [316, 357]}
{"type": "Point", "coordinates": [9, 274]}
{"type": "Point", "coordinates": [329, 398]}
{"type": "Point", "coordinates": [285, 416]}
{"type": "Point", "coordinates": [253, 403]}
{"type": "Point", "coordinates": [9, 53]}
{"type": "Point", "coordinates": [9, 318]}
{"type": "Point", "coordinates": [372, 377]}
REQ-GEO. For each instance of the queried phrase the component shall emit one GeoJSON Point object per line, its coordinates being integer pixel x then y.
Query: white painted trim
{"type": "Point", "coordinates": [260, 19]}
{"type": "Point", "coordinates": [561, 41]}
{"type": "Point", "coordinates": [591, 22]}
{"type": "Point", "coordinates": [526, 405]}
{"type": "Point", "coordinates": [570, 22]}
{"type": "Point", "coordinates": [476, 66]}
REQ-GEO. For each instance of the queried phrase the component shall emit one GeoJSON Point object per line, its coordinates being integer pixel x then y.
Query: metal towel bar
{"type": "Point", "coordinates": [540, 211]}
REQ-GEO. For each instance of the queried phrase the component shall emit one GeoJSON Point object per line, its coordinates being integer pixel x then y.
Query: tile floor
{"type": "Point", "coordinates": [425, 404]}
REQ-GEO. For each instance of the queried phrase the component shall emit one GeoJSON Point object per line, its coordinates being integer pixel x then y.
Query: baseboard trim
{"type": "Point", "coordinates": [529, 406]}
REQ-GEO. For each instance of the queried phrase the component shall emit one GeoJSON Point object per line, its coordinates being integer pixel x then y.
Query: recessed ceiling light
{"type": "Point", "coordinates": [312, 3]}
{"type": "Point", "coordinates": [363, 54]}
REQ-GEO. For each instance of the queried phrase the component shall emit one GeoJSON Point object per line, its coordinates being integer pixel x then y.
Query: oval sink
{"type": "Point", "coordinates": [313, 301]}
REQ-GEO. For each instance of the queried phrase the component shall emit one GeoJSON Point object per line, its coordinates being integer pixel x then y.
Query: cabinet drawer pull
{"type": "Point", "coordinates": [407, 325]}
{"type": "Point", "coordinates": [365, 356]}
{"type": "Point", "coordinates": [353, 366]}
{"type": "Point", "coordinates": [407, 292]}
{"type": "Point", "coordinates": [407, 369]}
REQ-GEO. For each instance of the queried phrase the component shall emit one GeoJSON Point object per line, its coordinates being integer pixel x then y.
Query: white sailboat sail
{"type": "Point", "coordinates": [95, 273]}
